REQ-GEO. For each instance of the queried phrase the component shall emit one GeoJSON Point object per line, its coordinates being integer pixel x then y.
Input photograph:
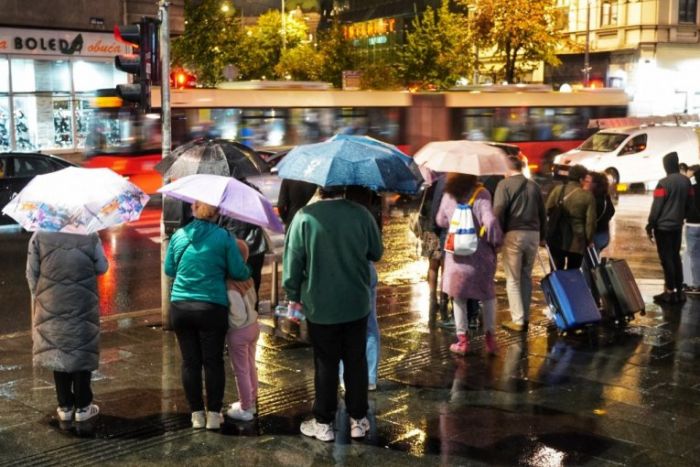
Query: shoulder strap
{"type": "Point", "coordinates": [474, 195]}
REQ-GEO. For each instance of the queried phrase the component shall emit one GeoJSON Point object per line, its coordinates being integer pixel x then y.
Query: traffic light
{"type": "Point", "coordinates": [143, 64]}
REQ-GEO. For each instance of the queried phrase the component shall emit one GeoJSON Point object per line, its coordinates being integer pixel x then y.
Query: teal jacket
{"type": "Point", "coordinates": [200, 256]}
{"type": "Point", "coordinates": [326, 260]}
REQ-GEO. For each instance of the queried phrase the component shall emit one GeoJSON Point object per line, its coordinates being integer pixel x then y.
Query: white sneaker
{"type": "Point", "coordinates": [236, 412]}
{"type": "Point", "coordinates": [86, 413]}
{"type": "Point", "coordinates": [65, 414]}
{"type": "Point", "coordinates": [320, 431]}
{"type": "Point", "coordinates": [371, 387]}
{"type": "Point", "coordinates": [199, 419]}
{"type": "Point", "coordinates": [214, 420]}
{"type": "Point", "coordinates": [253, 408]}
{"type": "Point", "coordinates": [359, 428]}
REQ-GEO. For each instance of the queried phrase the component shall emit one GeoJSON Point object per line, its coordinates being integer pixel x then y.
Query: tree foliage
{"type": "Point", "coordinates": [210, 40]}
{"type": "Point", "coordinates": [301, 63]}
{"type": "Point", "coordinates": [261, 48]}
{"type": "Point", "coordinates": [337, 54]}
{"type": "Point", "coordinates": [520, 33]}
{"type": "Point", "coordinates": [435, 54]}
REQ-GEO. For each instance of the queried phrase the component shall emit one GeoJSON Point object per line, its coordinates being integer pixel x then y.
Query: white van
{"type": "Point", "coordinates": [632, 154]}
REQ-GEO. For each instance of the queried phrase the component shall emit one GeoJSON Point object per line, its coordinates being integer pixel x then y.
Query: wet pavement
{"type": "Point", "coordinates": [602, 397]}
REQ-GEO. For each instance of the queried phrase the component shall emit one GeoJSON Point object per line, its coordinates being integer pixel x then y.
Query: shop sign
{"type": "Point", "coordinates": [352, 80]}
{"type": "Point", "coordinates": [60, 43]}
{"type": "Point", "coordinates": [375, 27]}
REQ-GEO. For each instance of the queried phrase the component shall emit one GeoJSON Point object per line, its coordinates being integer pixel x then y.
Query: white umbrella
{"type": "Point", "coordinates": [76, 200]}
{"type": "Point", "coordinates": [462, 156]}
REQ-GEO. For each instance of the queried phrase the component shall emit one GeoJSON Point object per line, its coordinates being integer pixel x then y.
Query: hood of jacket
{"type": "Point", "coordinates": [671, 163]}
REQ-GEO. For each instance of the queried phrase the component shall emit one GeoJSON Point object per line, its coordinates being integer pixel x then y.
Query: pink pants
{"type": "Point", "coordinates": [241, 350]}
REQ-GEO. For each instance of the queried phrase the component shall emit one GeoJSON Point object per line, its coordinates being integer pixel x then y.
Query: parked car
{"type": "Point", "coordinates": [17, 169]}
{"type": "Point", "coordinates": [632, 154]}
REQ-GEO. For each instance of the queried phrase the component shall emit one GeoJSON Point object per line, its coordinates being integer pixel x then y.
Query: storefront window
{"type": "Point", "coordinates": [89, 76]}
{"type": "Point", "coordinates": [4, 124]}
{"type": "Point", "coordinates": [4, 75]}
{"type": "Point", "coordinates": [40, 75]}
{"type": "Point", "coordinates": [43, 122]}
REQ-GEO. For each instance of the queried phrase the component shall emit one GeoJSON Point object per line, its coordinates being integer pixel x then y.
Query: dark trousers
{"type": "Point", "coordinates": [73, 389]}
{"type": "Point", "coordinates": [565, 259]}
{"type": "Point", "coordinates": [668, 244]}
{"type": "Point", "coordinates": [256, 263]}
{"type": "Point", "coordinates": [201, 330]}
{"type": "Point", "coordinates": [331, 343]}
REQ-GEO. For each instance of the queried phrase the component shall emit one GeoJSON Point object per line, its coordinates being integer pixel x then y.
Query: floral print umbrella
{"type": "Point", "coordinates": [76, 200]}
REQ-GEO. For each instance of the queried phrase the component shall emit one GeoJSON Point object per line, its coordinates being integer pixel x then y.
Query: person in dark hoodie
{"type": "Point", "coordinates": [672, 198]}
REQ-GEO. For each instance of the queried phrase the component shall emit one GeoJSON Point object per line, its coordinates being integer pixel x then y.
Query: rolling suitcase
{"type": "Point", "coordinates": [616, 287]}
{"type": "Point", "coordinates": [569, 297]}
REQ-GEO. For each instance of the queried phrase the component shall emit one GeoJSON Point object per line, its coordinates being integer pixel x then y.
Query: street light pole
{"type": "Point", "coordinates": [165, 120]}
{"type": "Point", "coordinates": [284, 28]}
{"type": "Point", "coordinates": [586, 55]}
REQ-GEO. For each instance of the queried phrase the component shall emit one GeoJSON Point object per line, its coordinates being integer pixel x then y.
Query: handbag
{"type": "Point", "coordinates": [416, 221]}
{"type": "Point", "coordinates": [462, 238]}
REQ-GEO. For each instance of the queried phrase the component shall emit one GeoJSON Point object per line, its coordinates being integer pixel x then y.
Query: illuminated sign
{"type": "Point", "coordinates": [375, 27]}
{"type": "Point", "coordinates": [377, 40]}
{"type": "Point", "coordinates": [49, 42]}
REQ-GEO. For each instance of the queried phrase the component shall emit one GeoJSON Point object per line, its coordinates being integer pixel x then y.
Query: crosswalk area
{"type": "Point", "coordinates": [148, 225]}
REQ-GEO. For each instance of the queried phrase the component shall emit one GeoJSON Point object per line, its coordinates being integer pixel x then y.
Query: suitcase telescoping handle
{"type": "Point", "coordinates": [594, 255]}
{"type": "Point", "coordinates": [551, 260]}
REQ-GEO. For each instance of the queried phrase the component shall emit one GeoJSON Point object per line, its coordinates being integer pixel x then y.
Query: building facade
{"type": "Point", "coordinates": [53, 57]}
{"type": "Point", "coordinates": [648, 47]}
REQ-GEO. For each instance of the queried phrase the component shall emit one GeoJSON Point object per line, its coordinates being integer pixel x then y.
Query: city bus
{"type": "Point", "coordinates": [541, 122]}
{"type": "Point", "coordinates": [269, 116]}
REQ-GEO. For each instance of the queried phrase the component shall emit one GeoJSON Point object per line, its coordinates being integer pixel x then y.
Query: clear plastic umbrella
{"type": "Point", "coordinates": [76, 200]}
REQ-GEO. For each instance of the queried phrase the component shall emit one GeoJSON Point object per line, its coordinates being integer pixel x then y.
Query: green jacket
{"type": "Point", "coordinates": [579, 219]}
{"type": "Point", "coordinates": [200, 256]}
{"type": "Point", "coordinates": [326, 260]}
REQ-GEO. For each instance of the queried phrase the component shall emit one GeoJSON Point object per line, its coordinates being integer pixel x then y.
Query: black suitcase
{"type": "Point", "coordinates": [615, 287]}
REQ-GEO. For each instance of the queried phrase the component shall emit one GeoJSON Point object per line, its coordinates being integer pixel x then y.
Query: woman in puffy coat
{"type": "Point", "coordinates": [471, 277]}
{"type": "Point", "coordinates": [62, 271]}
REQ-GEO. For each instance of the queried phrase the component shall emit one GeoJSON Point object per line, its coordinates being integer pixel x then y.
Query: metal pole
{"type": "Point", "coordinates": [284, 28]}
{"type": "Point", "coordinates": [586, 58]}
{"type": "Point", "coordinates": [165, 119]}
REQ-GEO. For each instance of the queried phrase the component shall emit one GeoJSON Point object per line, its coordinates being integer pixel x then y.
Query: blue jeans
{"type": "Point", "coordinates": [373, 341]}
{"type": "Point", "coordinates": [692, 245]}
{"type": "Point", "coordinates": [601, 240]}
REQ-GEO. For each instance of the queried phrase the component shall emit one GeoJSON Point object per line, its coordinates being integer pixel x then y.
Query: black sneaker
{"type": "Point", "coordinates": [693, 291]}
{"type": "Point", "coordinates": [665, 297]}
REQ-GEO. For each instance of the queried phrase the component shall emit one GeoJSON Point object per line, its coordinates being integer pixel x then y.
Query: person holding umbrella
{"type": "Point", "coordinates": [199, 257]}
{"type": "Point", "coordinates": [328, 247]}
{"type": "Point", "coordinates": [470, 276]}
{"type": "Point", "coordinates": [62, 270]}
{"type": "Point", "coordinates": [65, 209]}
{"type": "Point", "coordinates": [326, 272]}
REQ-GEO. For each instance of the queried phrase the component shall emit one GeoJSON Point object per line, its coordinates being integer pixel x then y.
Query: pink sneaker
{"type": "Point", "coordinates": [491, 346]}
{"type": "Point", "coordinates": [461, 347]}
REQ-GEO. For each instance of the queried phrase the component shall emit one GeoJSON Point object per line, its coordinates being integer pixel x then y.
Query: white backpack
{"type": "Point", "coordinates": [462, 237]}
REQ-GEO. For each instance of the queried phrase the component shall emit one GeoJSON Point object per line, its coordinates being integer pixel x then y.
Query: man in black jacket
{"type": "Point", "coordinates": [672, 198]}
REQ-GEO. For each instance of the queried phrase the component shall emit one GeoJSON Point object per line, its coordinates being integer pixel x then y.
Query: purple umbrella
{"type": "Point", "coordinates": [233, 198]}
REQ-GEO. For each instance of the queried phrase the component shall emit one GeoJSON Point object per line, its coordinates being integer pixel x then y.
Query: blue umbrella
{"type": "Point", "coordinates": [352, 160]}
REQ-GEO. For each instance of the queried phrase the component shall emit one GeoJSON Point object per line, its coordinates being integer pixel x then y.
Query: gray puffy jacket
{"type": "Point", "coordinates": [62, 271]}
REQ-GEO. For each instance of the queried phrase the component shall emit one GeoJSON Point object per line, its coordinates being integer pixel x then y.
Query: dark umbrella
{"type": "Point", "coordinates": [212, 156]}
